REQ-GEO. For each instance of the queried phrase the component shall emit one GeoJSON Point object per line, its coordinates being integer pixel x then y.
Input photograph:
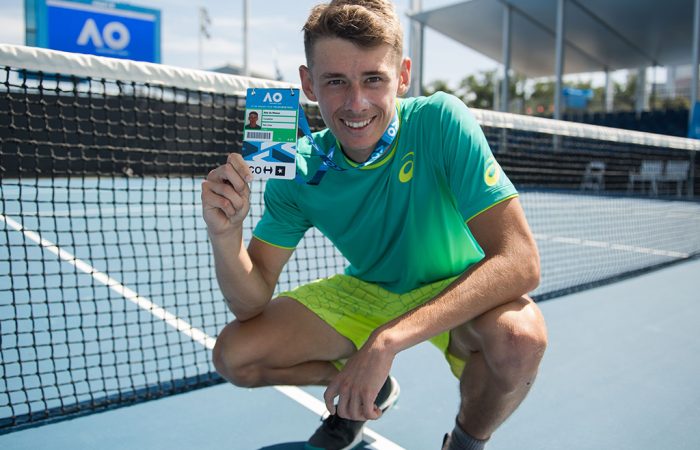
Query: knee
{"type": "Point", "coordinates": [232, 361]}
{"type": "Point", "coordinates": [516, 356]}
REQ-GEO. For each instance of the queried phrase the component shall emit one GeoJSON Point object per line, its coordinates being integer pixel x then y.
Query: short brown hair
{"type": "Point", "coordinates": [366, 23]}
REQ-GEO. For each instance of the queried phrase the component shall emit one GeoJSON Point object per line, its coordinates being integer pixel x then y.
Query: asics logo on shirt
{"type": "Point", "coordinates": [406, 171]}
{"type": "Point", "coordinates": [492, 173]}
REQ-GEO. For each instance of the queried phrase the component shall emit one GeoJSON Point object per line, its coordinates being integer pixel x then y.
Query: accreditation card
{"type": "Point", "coordinates": [270, 132]}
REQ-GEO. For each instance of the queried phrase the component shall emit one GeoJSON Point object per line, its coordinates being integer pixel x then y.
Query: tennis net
{"type": "Point", "coordinates": [107, 290]}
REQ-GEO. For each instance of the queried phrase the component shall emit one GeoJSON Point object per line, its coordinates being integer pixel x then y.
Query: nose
{"type": "Point", "coordinates": [356, 99]}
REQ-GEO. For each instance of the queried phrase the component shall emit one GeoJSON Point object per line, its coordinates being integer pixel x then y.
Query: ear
{"type": "Point", "coordinates": [307, 83]}
{"type": "Point", "coordinates": [404, 76]}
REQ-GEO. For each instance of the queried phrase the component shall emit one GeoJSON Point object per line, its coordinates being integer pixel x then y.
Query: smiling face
{"type": "Point", "coordinates": [356, 90]}
{"type": "Point", "coordinates": [253, 118]}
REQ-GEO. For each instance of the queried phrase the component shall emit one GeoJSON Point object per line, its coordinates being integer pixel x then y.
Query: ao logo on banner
{"type": "Point", "coordinates": [114, 35]}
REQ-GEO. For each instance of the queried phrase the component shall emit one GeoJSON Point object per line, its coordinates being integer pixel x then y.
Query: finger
{"type": "Point", "coordinates": [373, 413]}
{"type": "Point", "coordinates": [368, 409]}
{"type": "Point", "coordinates": [240, 166]}
{"type": "Point", "coordinates": [343, 407]}
{"type": "Point", "coordinates": [356, 406]}
{"type": "Point", "coordinates": [211, 200]}
{"type": "Point", "coordinates": [231, 176]}
{"type": "Point", "coordinates": [228, 191]}
{"type": "Point", "coordinates": [343, 399]}
{"type": "Point", "coordinates": [225, 181]}
{"type": "Point", "coordinates": [329, 397]}
{"type": "Point", "coordinates": [349, 405]}
{"type": "Point", "coordinates": [222, 196]}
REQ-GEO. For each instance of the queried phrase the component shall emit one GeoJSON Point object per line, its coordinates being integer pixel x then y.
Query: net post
{"type": "Point", "coordinates": [503, 141]}
{"type": "Point", "coordinates": [556, 143]}
{"type": "Point", "coordinates": [691, 176]}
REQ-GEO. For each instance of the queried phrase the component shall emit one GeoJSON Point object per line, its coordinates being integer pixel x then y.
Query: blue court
{"type": "Point", "coordinates": [113, 292]}
{"type": "Point", "coordinates": [621, 372]}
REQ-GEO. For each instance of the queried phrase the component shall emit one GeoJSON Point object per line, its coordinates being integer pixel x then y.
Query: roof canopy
{"type": "Point", "coordinates": [599, 34]}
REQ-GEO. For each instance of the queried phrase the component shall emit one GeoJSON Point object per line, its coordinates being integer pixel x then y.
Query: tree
{"type": "Point", "coordinates": [528, 97]}
{"type": "Point", "coordinates": [435, 86]}
{"type": "Point", "coordinates": [625, 95]}
{"type": "Point", "coordinates": [541, 99]}
{"type": "Point", "coordinates": [477, 90]}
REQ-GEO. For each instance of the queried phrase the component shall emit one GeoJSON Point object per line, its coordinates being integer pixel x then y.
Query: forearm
{"type": "Point", "coordinates": [492, 282]}
{"type": "Point", "coordinates": [242, 284]}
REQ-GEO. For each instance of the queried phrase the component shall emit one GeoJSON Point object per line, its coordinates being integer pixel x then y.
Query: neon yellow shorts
{"type": "Point", "coordinates": [355, 308]}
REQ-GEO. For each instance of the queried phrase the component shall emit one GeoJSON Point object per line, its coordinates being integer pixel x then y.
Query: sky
{"type": "Point", "coordinates": [274, 36]}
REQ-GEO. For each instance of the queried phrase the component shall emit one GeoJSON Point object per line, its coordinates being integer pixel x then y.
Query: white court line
{"type": "Point", "coordinates": [608, 245]}
{"type": "Point", "coordinates": [299, 395]}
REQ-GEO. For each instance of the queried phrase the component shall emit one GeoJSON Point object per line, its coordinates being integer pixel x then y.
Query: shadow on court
{"type": "Point", "coordinates": [300, 446]}
{"type": "Point", "coordinates": [285, 446]}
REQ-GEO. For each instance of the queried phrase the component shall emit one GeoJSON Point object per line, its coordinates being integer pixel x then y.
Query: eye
{"type": "Point", "coordinates": [374, 79]}
{"type": "Point", "coordinates": [335, 82]}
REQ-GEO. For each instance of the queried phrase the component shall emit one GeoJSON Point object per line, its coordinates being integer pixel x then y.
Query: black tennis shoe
{"type": "Point", "coordinates": [336, 433]}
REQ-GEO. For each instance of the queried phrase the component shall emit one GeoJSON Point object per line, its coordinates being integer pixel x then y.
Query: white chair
{"type": "Point", "coordinates": [676, 172]}
{"type": "Point", "coordinates": [650, 171]}
{"type": "Point", "coordinates": [594, 176]}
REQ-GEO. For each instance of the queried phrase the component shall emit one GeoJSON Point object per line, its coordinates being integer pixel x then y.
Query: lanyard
{"type": "Point", "coordinates": [327, 158]}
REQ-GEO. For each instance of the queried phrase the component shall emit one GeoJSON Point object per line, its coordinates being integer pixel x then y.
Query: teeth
{"type": "Point", "coordinates": [358, 124]}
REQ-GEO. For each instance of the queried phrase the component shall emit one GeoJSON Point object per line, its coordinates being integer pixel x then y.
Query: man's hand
{"type": "Point", "coordinates": [358, 384]}
{"type": "Point", "coordinates": [225, 195]}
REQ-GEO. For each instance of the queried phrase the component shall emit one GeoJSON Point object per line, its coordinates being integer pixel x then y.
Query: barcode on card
{"type": "Point", "coordinates": [258, 135]}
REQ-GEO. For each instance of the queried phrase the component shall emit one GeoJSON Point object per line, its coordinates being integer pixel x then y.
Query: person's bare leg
{"type": "Point", "coordinates": [286, 344]}
{"type": "Point", "coordinates": [504, 348]}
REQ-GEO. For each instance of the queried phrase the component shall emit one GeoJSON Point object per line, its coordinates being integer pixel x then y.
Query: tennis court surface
{"type": "Point", "coordinates": [621, 372]}
{"type": "Point", "coordinates": [109, 304]}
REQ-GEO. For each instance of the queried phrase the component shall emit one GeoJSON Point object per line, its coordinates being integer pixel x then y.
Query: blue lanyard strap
{"type": "Point", "coordinates": [327, 158]}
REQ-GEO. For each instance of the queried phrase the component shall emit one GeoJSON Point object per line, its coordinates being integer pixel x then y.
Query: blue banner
{"type": "Point", "coordinates": [97, 28]}
{"type": "Point", "coordinates": [577, 98]}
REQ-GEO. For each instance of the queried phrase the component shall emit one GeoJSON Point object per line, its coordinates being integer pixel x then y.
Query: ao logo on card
{"type": "Point", "coordinates": [274, 98]}
{"type": "Point", "coordinates": [114, 34]}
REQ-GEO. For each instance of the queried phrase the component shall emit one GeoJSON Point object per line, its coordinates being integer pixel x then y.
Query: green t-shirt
{"type": "Point", "coordinates": [400, 221]}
